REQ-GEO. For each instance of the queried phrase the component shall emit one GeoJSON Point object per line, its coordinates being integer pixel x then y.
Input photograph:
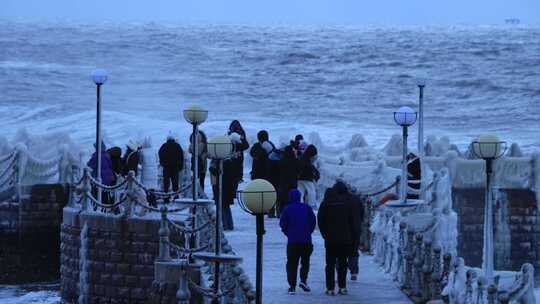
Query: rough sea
{"type": "Point", "coordinates": [336, 81]}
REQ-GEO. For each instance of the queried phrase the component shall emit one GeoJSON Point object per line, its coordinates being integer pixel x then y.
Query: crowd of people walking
{"type": "Point", "coordinates": [292, 169]}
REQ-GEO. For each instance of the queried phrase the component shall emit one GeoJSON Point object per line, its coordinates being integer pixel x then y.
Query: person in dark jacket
{"type": "Point", "coordinates": [288, 176]}
{"type": "Point", "coordinates": [259, 152]}
{"type": "Point", "coordinates": [233, 171]}
{"type": "Point", "coordinates": [339, 227]}
{"type": "Point", "coordinates": [202, 156]}
{"type": "Point", "coordinates": [272, 172]}
{"type": "Point", "coordinates": [107, 177]}
{"type": "Point", "coordinates": [298, 223]}
{"type": "Point", "coordinates": [171, 159]}
{"type": "Point", "coordinates": [415, 174]}
{"type": "Point", "coordinates": [308, 176]}
{"type": "Point", "coordinates": [131, 158]}
{"type": "Point", "coordinates": [115, 154]}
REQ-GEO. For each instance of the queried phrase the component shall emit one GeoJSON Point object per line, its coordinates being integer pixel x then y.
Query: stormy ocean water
{"type": "Point", "coordinates": [336, 81]}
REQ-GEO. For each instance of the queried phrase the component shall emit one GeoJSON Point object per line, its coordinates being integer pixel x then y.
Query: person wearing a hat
{"type": "Point", "coordinates": [171, 158]}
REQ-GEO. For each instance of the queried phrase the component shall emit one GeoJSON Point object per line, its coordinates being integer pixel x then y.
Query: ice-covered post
{"type": "Point", "coordinates": [164, 250]}
{"type": "Point", "coordinates": [99, 77]}
{"type": "Point", "coordinates": [183, 294]}
{"type": "Point", "coordinates": [488, 147]}
{"type": "Point", "coordinates": [86, 187]}
{"type": "Point", "coordinates": [219, 148]}
{"type": "Point", "coordinates": [405, 117]}
{"type": "Point", "coordinates": [195, 115]}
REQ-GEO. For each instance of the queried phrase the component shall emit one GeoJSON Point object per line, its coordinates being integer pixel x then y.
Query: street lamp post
{"type": "Point", "coordinates": [195, 115]}
{"type": "Point", "coordinates": [219, 148]}
{"type": "Point", "coordinates": [99, 77]}
{"type": "Point", "coordinates": [405, 117]}
{"type": "Point", "coordinates": [489, 148]}
{"type": "Point", "coordinates": [421, 83]}
{"type": "Point", "coordinates": [257, 199]}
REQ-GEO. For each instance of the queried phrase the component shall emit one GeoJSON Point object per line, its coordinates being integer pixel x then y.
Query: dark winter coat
{"type": "Point", "coordinates": [338, 216]}
{"type": "Point", "coordinates": [233, 168]}
{"type": "Point", "coordinates": [171, 156]}
{"type": "Point", "coordinates": [260, 161]}
{"type": "Point", "coordinates": [288, 175]}
{"type": "Point", "coordinates": [115, 153]}
{"type": "Point", "coordinates": [107, 177]}
{"type": "Point", "coordinates": [308, 171]}
{"type": "Point", "coordinates": [131, 161]}
{"type": "Point", "coordinates": [297, 220]}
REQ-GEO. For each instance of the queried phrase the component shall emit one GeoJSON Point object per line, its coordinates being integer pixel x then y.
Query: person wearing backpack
{"type": "Point", "coordinates": [308, 176]}
{"type": "Point", "coordinates": [259, 152]}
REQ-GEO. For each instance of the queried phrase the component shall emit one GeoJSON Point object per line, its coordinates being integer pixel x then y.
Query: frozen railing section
{"type": "Point", "coordinates": [21, 168]}
{"type": "Point", "coordinates": [417, 247]}
{"type": "Point", "coordinates": [179, 240]}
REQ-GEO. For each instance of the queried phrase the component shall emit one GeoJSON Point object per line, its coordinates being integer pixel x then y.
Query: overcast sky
{"type": "Point", "coordinates": [358, 12]}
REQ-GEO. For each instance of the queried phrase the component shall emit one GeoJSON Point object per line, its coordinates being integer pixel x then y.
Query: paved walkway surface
{"type": "Point", "coordinates": [373, 286]}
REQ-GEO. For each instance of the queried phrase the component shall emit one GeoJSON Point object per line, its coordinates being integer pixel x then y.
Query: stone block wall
{"type": "Point", "coordinates": [516, 227]}
{"type": "Point", "coordinates": [107, 258]}
{"type": "Point", "coordinates": [30, 235]}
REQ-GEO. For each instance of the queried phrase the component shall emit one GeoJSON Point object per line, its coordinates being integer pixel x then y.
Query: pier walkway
{"type": "Point", "coordinates": [373, 285]}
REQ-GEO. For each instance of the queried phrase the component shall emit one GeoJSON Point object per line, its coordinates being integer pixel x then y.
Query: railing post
{"type": "Point", "coordinates": [427, 270]}
{"type": "Point", "coordinates": [164, 232]}
{"type": "Point", "coordinates": [86, 188]}
{"type": "Point", "coordinates": [401, 252]}
{"type": "Point", "coordinates": [468, 286]}
{"type": "Point", "coordinates": [183, 294]}
{"type": "Point", "coordinates": [492, 294]}
{"type": "Point", "coordinates": [417, 266]}
{"type": "Point", "coordinates": [436, 275]}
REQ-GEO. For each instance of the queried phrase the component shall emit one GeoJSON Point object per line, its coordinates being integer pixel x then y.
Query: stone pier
{"type": "Point", "coordinates": [30, 235]}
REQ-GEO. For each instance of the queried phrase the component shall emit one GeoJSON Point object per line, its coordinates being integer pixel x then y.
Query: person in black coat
{"type": "Point", "coordinates": [115, 153]}
{"type": "Point", "coordinates": [414, 169]}
{"type": "Point", "coordinates": [308, 176]}
{"type": "Point", "coordinates": [131, 158]}
{"type": "Point", "coordinates": [233, 171]}
{"type": "Point", "coordinates": [339, 226]}
{"type": "Point", "coordinates": [288, 176]}
{"type": "Point", "coordinates": [259, 152]}
{"type": "Point", "coordinates": [171, 159]}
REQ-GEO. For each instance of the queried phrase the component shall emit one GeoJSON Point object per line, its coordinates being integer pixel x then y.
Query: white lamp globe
{"type": "Point", "coordinates": [99, 76]}
{"type": "Point", "coordinates": [259, 196]}
{"type": "Point", "coordinates": [219, 147]}
{"type": "Point", "coordinates": [487, 146]}
{"type": "Point", "coordinates": [195, 114]}
{"type": "Point", "coordinates": [421, 82]}
{"type": "Point", "coordinates": [405, 116]}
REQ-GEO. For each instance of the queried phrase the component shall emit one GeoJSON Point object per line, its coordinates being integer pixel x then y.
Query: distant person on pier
{"type": "Point", "coordinates": [115, 153]}
{"type": "Point", "coordinates": [171, 159]}
{"type": "Point", "coordinates": [414, 168]}
{"type": "Point", "coordinates": [308, 176]}
{"type": "Point", "coordinates": [260, 152]}
{"type": "Point", "coordinates": [299, 145]}
{"type": "Point", "coordinates": [202, 160]}
{"type": "Point", "coordinates": [107, 177]}
{"type": "Point", "coordinates": [354, 256]}
{"type": "Point", "coordinates": [233, 171]}
{"type": "Point", "coordinates": [273, 175]}
{"type": "Point", "coordinates": [339, 227]}
{"type": "Point", "coordinates": [298, 223]}
{"type": "Point", "coordinates": [131, 158]}
{"type": "Point", "coordinates": [288, 176]}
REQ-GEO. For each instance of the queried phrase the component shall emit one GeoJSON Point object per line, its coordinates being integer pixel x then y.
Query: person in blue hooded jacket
{"type": "Point", "coordinates": [298, 223]}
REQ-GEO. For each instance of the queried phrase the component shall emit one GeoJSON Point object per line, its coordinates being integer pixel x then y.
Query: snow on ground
{"type": "Point", "coordinates": [372, 287]}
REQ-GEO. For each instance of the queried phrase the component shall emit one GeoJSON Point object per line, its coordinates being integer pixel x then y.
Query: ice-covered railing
{"type": "Point", "coordinates": [175, 236]}
{"type": "Point", "coordinates": [20, 168]}
{"type": "Point", "coordinates": [417, 247]}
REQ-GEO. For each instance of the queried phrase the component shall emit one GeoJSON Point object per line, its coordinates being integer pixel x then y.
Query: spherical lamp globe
{"type": "Point", "coordinates": [195, 114]}
{"type": "Point", "coordinates": [219, 147]}
{"type": "Point", "coordinates": [487, 146]}
{"type": "Point", "coordinates": [259, 196]}
{"type": "Point", "coordinates": [405, 116]}
{"type": "Point", "coordinates": [99, 76]}
{"type": "Point", "coordinates": [421, 81]}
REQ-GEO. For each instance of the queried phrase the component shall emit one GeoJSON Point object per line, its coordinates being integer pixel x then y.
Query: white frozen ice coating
{"type": "Point", "coordinates": [149, 172]}
{"type": "Point", "coordinates": [395, 146]}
